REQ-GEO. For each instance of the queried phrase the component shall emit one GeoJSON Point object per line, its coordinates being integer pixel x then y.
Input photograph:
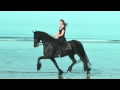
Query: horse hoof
{"type": "Point", "coordinates": [68, 71]}
{"type": "Point", "coordinates": [38, 66]}
{"type": "Point", "coordinates": [60, 73]}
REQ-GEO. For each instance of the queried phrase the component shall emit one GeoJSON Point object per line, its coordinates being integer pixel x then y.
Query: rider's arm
{"type": "Point", "coordinates": [56, 34]}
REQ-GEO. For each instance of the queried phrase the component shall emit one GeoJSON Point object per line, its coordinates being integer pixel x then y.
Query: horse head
{"type": "Point", "coordinates": [36, 38]}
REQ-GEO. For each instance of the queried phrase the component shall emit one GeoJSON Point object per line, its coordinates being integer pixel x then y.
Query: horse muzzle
{"type": "Point", "coordinates": [36, 45]}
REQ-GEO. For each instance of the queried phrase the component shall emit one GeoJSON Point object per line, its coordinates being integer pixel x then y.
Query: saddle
{"type": "Point", "coordinates": [65, 47]}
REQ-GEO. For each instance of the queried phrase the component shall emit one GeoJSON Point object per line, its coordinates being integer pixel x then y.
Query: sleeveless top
{"type": "Point", "coordinates": [60, 31]}
{"type": "Point", "coordinates": [61, 39]}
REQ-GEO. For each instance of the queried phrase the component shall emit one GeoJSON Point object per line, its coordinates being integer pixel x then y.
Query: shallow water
{"type": "Point", "coordinates": [18, 60]}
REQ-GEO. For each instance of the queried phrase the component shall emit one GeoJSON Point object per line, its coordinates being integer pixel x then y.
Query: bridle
{"type": "Point", "coordinates": [37, 41]}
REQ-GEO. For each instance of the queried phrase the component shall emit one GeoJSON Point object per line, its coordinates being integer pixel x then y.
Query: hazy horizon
{"type": "Point", "coordinates": [81, 24]}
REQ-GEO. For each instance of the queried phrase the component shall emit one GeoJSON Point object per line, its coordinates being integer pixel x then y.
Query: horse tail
{"type": "Point", "coordinates": [85, 55]}
{"type": "Point", "coordinates": [87, 60]}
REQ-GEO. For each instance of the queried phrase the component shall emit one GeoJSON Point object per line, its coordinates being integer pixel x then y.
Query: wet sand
{"type": "Point", "coordinates": [18, 60]}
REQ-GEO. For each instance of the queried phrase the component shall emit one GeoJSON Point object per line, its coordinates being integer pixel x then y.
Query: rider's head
{"type": "Point", "coordinates": [62, 22]}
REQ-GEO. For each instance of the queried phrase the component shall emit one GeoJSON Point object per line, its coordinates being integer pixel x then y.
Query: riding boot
{"type": "Point", "coordinates": [61, 53]}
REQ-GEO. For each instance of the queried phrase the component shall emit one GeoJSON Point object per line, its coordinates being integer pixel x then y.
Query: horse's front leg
{"type": "Point", "coordinates": [55, 63]}
{"type": "Point", "coordinates": [47, 54]}
{"type": "Point", "coordinates": [39, 64]}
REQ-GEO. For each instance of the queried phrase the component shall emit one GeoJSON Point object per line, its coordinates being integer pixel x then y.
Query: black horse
{"type": "Point", "coordinates": [52, 51]}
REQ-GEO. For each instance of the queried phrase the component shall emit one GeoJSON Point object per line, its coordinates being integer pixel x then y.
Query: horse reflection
{"type": "Point", "coordinates": [61, 77]}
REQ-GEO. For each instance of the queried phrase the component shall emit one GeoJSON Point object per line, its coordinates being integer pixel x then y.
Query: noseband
{"type": "Point", "coordinates": [37, 41]}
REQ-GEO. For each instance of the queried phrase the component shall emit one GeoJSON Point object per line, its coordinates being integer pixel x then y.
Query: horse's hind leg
{"type": "Point", "coordinates": [73, 62]}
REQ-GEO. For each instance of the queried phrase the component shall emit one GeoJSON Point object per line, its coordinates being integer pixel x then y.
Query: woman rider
{"type": "Point", "coordinates": [61, 35]}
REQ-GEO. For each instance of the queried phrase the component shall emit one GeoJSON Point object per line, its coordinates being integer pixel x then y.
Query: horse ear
{"type": "Point", "coordinates": [33, 31]}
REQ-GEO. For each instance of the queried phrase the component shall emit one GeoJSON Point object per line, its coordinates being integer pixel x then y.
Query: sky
{"type": "Point", "coordinates": [75, 18]}
{"type": "Point", "coordinates": [13, 22]}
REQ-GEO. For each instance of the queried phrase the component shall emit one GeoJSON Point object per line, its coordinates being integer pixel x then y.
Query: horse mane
{"type": "Point", "coordinates": [46, 36]}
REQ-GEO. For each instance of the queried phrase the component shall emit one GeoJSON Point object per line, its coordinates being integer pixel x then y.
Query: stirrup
{"type": "Point", "coordinates": [59, 56]}
{"type": "Point", "coordinates": [60, 49]}
{"type": "Point", "coordinates": [69, 46]}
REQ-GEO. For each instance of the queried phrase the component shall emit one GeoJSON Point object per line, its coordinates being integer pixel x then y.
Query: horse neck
{"type": "Point", "coordinates": [45, 38]}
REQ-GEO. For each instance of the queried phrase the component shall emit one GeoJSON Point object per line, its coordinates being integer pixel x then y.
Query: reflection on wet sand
{"type": "Point", "coordinates": [61, 77]}
{"type": "Point", "coordinates": [88, 77]}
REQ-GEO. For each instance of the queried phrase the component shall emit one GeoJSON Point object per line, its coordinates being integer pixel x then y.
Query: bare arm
{"type": "Point", "coordinates": [56, 34]}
